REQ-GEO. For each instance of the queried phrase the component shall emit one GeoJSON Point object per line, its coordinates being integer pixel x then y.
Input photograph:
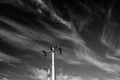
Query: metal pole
{"type": "Point", "coordinates": [54, 49]}
{"type": "Point", "coordinates": [53, 64]}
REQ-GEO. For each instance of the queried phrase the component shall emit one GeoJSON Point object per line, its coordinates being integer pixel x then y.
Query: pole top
{"type": "Point", "coordinates": [53, 46]}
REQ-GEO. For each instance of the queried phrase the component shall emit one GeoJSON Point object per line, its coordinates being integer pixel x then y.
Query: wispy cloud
{"type": "Point", "coordinates": [12, 37]}
{"type": "Point", "coordinates": [74, 62]}
{"type": "Point", "coordinates": [7, 58]}
{"type": "Point", "coordinates": [112, 57]}
{"type": "Point", "coordinates": [27, 31]}
{"type": "Point", "coordinates": [110, 36]}
{"type": "Point", "coordinates": [26, 38]}
{"type": "Point", "coordinates": [109, 67]}
{"type": "Point", "coordinates": [54, 16]}
{"type": "Point", "coordinates": [70, 60]}
{"type": "Point", "coordinates": [42, 2]}
{"type": "Point", "coordinates": [4, 76]}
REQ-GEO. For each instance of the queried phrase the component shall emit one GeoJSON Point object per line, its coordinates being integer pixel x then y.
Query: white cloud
{"type": "Point", "coordinates": [42, 74]}
{"type": "Point", "coordinates": [39, 74]}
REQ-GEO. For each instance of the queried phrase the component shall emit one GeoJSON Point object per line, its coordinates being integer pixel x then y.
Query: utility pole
{"type": "Point", "coordinates": [53, 51]}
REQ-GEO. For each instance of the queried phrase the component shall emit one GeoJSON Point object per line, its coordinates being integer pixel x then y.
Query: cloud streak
{"type": "Point", "coordinates": [110, 36]}
{"type": "Point", "coordinates": [109, 67]}
{"type": "Point", "coordinates": [7, 58]}
{"type": "Point", "coordinates": [26, 38]}
{"type": "Point", "coordinates": [112, 57]}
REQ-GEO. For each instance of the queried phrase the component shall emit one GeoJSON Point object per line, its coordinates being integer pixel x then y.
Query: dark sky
{"type": "Point", "coordinates": [87, 31]}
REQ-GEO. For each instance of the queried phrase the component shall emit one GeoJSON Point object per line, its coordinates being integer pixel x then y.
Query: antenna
{"type": "Point", "coordinates": [54, 50]}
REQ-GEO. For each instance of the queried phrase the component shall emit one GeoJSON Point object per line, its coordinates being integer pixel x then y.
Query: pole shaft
{"type": "Point", "coordinates": [53, 65]}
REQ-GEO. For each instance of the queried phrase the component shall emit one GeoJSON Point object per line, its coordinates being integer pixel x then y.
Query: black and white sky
{"type": "Point", "coordinates": [88, 31]}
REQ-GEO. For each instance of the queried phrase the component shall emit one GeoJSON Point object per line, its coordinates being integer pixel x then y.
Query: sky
{"type": "Point", "coordinates": [87, 32]}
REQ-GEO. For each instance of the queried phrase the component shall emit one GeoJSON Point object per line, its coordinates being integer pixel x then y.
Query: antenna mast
{"type": "Point", "coordinates": [53, 60]}
{"type": "Point", "coordinates": [53, 51]}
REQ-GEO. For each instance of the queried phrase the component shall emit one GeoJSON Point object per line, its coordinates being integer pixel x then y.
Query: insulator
{"type": "Point", "coordinates": [45, 53]}
{"type": "Point", "coordinates": [60, 50]}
